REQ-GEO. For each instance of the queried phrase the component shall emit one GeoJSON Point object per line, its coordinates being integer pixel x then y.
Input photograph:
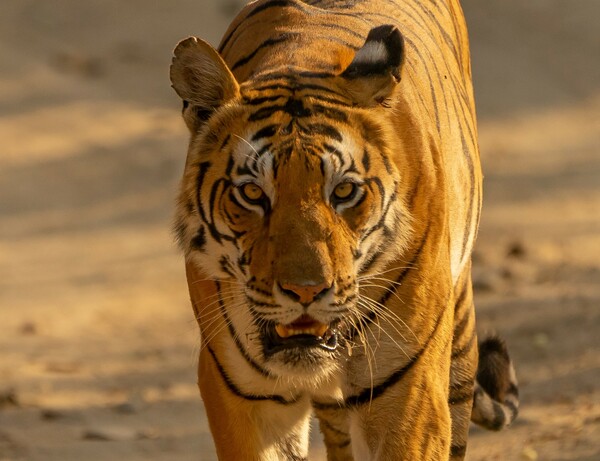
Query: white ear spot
{"type": "Point", "coordinates": [371, 53]}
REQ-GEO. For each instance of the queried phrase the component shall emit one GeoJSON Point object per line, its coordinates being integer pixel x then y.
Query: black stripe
{"type": "Point", "coordinates": [293, 73]}
{"type": "Point", "coordinates": [321, 98]}
{"type": "Point", "coordinates": [211, 203]}
{"type": "Point", "coordinates": [499, 419]}
{"type": "Point", "coordinates": [333, 151]}
{"type": "Point", "coordinates": [294, 87]}
{"type": "Point", "coordinates": [371, 133]}
{"type": "Point", "coordinates": [460, 326]}
{"type": "Point", "coordinates": [255, 11]}
{"type": "Point", "coordinates": [392, 290]}
{"type": "Point", "coordinates": [328, 405]}
{"type": "Point", "coordinates": [330, 112]}
{"type": "Point", "coordinates": [236, 340]}
{"type": "Point", "coordinates": [343, 444]}
{"type": "Point", "coordinates": [417, 51]}
{"type": "Point", "coordinates": [198, 242]}
{"type": "Point", "coordinates": [324, 424]}
{"type": "Point", "coordinates": [265, 112]}
{"type": "Point", "coordinates": [458, 450]}
{"type": "Point", "coordinates": [202, 169]}
{"type": "Point", "coordinates": [457, 354]}
{"type": "Point", "coordinates": [237, 391]}
{"type": "Point", "coordinates": [348, 30]}
{"type": "Point", "coordinates": [443, 32]}
{"type": "Point", "coordinates": [314, 129]}
{"type": "Point", "coordinates": [366, 160]}
{"type": "Point", "coordinates": [514, 410]}
{"type": "Point", "coordinates": [265, 132]}
{"type": "Point", "coordinates": [263, 99]}
{"type": "Point", "coordinates": [225, 265]}
{"type": "Point", "coordinates": [263, 150]}
{"type": "Point", "coordinates": [368, 263]}
{"type": "Point", "coordinates": [229, 167]}
{"type": "Point", "coordinates": [461, 397]}
{"type": "Point", "coordinates": [272, 41]}
{"type": "Point", "coordinates": [369, 394]}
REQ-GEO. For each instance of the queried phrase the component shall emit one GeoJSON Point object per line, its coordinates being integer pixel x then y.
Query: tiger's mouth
{"type": "Point", "coordinates": [304, 332]}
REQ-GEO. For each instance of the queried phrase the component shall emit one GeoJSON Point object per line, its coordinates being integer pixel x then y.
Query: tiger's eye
{"type": "Point", "coordinates": [252, 192]}
{"type": "Point", "coordinates": [344, 190]}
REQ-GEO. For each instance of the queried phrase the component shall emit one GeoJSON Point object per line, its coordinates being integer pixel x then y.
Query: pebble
{"type": "Point", "coordinates": [529, 454]}
{"type": "Point", "coordinates": [8, 398]}
{"type": "Point", "coordinates": [125, 408]}
{"type": "Point", "coordinates": [107, 434]}
{"type": "Point", "coordinates": [541, 340]}
{"type": "Point", "coordinates": [516, 250]}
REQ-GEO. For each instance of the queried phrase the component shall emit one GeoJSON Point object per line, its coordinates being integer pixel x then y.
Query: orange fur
{"type": "Point", "coordinates": [301, 99]}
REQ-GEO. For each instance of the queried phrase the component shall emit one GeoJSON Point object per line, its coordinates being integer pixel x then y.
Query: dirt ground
{"type": "Point", "coordinates": [97, 339]}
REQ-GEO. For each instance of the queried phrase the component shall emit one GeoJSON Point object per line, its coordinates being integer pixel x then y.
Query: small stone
{"type": "Point", "coordinates": [125, 408]}
{"type": "Point", "coordinates": [541, 340]}
{"type": "Point", "coordinates": [63, 367]}
{"type": "Point", "coordinates": [506, 273]}
{"type": "Point", "coordinates": [8, 398]}
{"type": "Point", "coordinates": [79, 64]}
{"type": "Point", "coordinates": [516, 250]}
{"type": "Point", "coordinates": [483, 283]}
{"type": "Point", "coordinates": [107, 434]}
{"type": "Point", "coordinates": [28, 328]}
{"type": "Point", "coordinates": [51, 415]}
{"type": "Point", "coordinates": [148, 434]}
{"type": "Point", "coordinates": [529, 454]}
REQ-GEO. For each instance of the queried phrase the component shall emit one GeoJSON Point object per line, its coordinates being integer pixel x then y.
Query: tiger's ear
{"type": "Point", "coordinates": [202, 79]}
{"type": "Point", "coordinates": [375, 69]}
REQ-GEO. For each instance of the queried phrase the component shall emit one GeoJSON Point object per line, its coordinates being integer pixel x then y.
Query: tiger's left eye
{"type": "Point", "coordinates": [252, 193]}
{"type": "Point", "coordinates": [344, 191]}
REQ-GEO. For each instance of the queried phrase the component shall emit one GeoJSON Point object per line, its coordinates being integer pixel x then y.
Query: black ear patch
{"type": "Point", "coordinates": [382, 53]}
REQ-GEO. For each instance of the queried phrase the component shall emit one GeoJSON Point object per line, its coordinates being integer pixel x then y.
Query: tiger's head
{"type": "Point", "coordinates": [291, 196]}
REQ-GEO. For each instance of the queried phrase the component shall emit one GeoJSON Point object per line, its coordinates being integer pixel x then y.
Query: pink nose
{"type": "Point", "coordinates": [305, 294]}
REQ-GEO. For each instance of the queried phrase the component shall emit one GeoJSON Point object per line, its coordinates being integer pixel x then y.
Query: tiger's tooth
{"type": "Point", "coordinates": [320, 331]}
{"type": "Point", "coordinates": [282, 331]}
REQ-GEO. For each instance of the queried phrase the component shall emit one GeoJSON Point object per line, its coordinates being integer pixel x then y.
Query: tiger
{"type": "Point", "coordinates": [327, 212]}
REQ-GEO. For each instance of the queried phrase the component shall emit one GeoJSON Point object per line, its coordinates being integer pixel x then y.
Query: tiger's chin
{"type": "Point", "coordinates": [305, 348]}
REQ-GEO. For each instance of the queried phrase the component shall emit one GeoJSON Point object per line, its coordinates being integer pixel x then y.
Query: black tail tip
{"type": "Point", "coordinates": [494, 372]}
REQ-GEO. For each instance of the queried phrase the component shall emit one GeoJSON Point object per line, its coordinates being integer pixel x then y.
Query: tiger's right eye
{"type": "Point", "coordinates": [344, 191]}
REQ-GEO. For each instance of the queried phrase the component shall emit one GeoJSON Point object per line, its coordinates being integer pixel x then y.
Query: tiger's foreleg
{"type": "Point", "coordinates": [409, 419]}
{"type": "Point", "coordinates": [415, 431]}
{"type": "Point", "coordinates": [463, 367]}
{"type": "Point", "coordinates": [335, 428]}
{"type": "Point", "coordinates": [247, 430]}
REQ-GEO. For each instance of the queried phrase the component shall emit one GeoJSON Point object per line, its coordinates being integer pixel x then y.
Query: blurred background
{"type": "Point", "coordinates": [98, 344]}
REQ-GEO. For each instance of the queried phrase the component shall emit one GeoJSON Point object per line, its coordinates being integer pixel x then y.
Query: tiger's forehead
{"type": "Point", "coordinates": [295, 122]}
{"type": "Point", "coordinates": [287, 108]}
{"type": "Point", "coordinates": [299, 94]}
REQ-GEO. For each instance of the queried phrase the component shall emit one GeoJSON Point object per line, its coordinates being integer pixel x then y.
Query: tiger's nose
{"type": "Point", "coordinates": [305, 294]}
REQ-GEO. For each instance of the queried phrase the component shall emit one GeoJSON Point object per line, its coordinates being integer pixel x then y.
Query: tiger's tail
{"type": "Point", "coordinates": [496, 395]}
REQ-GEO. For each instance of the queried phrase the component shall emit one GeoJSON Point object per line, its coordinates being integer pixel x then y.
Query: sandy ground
{"type": "Point", "coordinates": [97, 339]}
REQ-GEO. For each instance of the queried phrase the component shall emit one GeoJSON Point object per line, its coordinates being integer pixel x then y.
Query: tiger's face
{"type": "Point", "coordinates": [289, 198]}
